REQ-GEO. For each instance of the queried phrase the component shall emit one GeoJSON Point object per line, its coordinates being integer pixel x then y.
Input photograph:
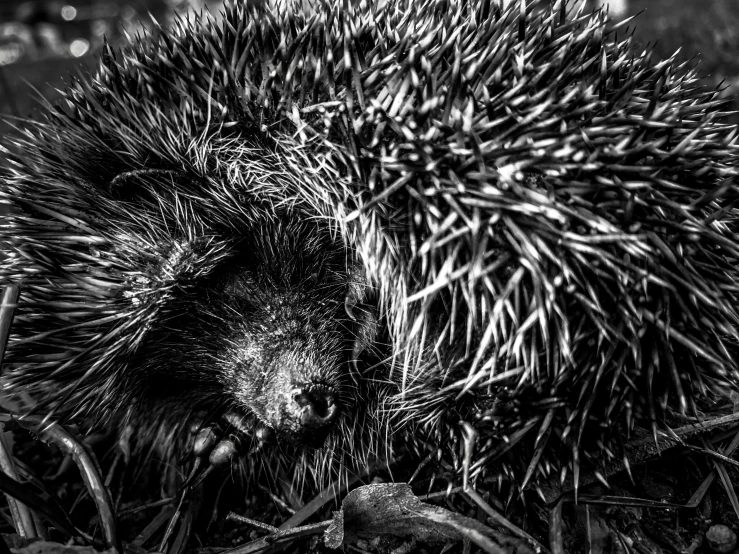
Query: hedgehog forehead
{"type": "Point", "coordinates": [275, 300]}
{"type": "Point", "coordinates": [284, 258]}
{"type": "Point", "coordinates": [281, 331]}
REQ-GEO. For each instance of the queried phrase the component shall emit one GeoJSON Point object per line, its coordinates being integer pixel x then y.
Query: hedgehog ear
{"type": "Point", "coordinates": [130, 185]}
{"type": "Point", "coordinates": [365, 334]}
{"type": "Point", "coordinates": [364, 317]}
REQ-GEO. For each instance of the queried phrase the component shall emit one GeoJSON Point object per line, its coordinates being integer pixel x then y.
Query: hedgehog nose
{"type": "Point", "coordinates": [316, 408]}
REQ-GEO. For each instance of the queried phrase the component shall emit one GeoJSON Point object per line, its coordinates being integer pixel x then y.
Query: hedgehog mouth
{"type": "Point", "coordinates": [308, 416]}
{"type": "Point", "coordinates": [244, 424]}
{"type": "Point", "coordinates": [303, 419]}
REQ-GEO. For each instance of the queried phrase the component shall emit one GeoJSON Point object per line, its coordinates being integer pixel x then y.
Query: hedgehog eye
{"type": "Point", "coordinates": [350, 302]}
{"type": "Point", "coordinates": [239, 286]}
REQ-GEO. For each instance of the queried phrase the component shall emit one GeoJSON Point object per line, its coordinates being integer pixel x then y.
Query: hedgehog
{"type": "Point", "coordinates": [502, 235]}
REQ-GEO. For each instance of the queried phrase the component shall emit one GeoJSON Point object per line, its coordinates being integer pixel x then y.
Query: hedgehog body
{"type": "Point", "coordinates": [533, 219]}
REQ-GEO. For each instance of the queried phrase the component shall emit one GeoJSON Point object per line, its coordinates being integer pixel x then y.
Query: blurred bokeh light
{"type": "Point", "coordinates": [43, 42]}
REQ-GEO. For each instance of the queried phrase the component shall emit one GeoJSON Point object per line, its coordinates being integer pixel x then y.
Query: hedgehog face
{"type": "Point", "coordinates": [285, 357]}
{"type": "Point", "coordinates": [278, 334]}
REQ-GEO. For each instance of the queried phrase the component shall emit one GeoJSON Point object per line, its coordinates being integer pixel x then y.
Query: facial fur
{"type": "Point", "coordinates": [266, 329]}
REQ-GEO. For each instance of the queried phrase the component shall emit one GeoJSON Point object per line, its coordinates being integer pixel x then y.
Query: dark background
{"type": "Point", "coordinates": [43, 42]}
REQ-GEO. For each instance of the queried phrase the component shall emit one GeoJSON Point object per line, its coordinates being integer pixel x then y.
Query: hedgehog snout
{"type": "Point", "coordinates": [309, 414]}
{"type": "Point", "coordinates": [316, 408]}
